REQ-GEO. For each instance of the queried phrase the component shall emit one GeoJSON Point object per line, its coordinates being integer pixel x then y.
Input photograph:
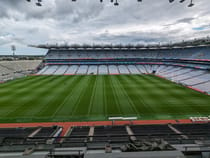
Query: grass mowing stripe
{"type": "Point", "coordinates": [111, 104]}
{"type": "Point", "coordinates": [22, 95]}
{"type": "Point", "coordinates": [85, 98]}
{"type": "Point", "coordinates": [141, 98]}
{"type": "Point", "coordinates": [116, 99]}
{"type": "Point", "coordinates": [124, 100]}
{"type": "Point", "coordinates": [65, 106]}
{"type": "Point", "coordinates": [69, 104]}
{"type": "Point", "coordinates": [130, 87]}
{"type": "Point", "coordinates": [170, 102]}
{"type": "Point", "coordinates": [165, 107]}
{"type": "Point", "coordinates": [176, 98]}
{"type": "Point", "coordinates": [96, 107]}
{"type": "Point", "coordinates": [32, 104]}
{"type": "Point", "coordinates": [150, 100]}
{"type": "Point", "coordinates": [84, 102]}
{"type": "Point", "coordinates": [21, 82]}
{"type": "Point", "coordinates": [104, 95]}
{"type": "Point", "coordinates": [16, 82]}
{"type": "Point", "coordinates": [91, 97]}
{"type": "Point", "coordinates": [59, 93]}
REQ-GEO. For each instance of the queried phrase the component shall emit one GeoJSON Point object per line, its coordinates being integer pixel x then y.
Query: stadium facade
{"type": "Point", "coordinates": [187, 65]}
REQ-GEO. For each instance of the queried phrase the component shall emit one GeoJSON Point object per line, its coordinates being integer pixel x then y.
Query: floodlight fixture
{"type": "Point", "coordinates": [38, 4]}
{"type": "Point", "coordinates": [170, 1]}
{"type": "Point", "coordinates": [116, 3]}
{"type": "Point", "coordinates": [13, 48]}
{"type": "Point", "coordinates": [181, 1]}
{"type": "Point", "coordinates": [191, 4]}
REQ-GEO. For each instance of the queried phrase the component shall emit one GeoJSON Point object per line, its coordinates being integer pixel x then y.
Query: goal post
{"type": "Point", "coordinates": [113, 119]}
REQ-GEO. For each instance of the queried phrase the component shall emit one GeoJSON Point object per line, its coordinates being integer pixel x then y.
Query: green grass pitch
{"type": "Point", "coordinates": [95, 98]}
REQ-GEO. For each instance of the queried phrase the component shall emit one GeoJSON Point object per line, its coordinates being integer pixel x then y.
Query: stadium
{"type": "Point", "coordinates": [107, 100]}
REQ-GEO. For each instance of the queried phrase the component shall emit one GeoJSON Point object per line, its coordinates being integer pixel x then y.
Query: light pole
{"type": "Point", "coordinates": [13, 48]}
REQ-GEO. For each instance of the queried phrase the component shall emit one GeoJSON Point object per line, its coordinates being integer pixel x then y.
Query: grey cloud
{"type": "Point", "coordinates": [135, 37]}
{"type": "Point", "coordinates": [89, 21]}
{"type": "Point", "coordinates": [185, 20]}
{"type": "Point", "coordinates": [10, 38]}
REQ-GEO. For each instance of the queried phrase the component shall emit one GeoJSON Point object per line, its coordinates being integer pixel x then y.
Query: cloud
{"type": "Point", "coordinates": [10, 38]}
{"type": "Point", "coordinates": [202, 27]}
{"type": "Point", "coordinates": [89, 21]}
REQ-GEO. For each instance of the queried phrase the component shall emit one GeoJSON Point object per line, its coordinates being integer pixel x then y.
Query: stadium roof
{"type": "Point", "coordinates": [204, 42]}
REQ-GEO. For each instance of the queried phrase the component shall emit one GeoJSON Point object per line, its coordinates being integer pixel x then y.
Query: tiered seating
{"type": "Point", "coordinates": [166, 70]}
{"type": "Point", "coordinates": [113, 69]}
{"type": "Point", "coordinates": [42, 71]}
{"type": "Point", "coordinates": [61, 70]}
{"type": "Point", "coordinates": [178, 73]}
{"type": "Point", "coordinates": [189, 128]}
{"type": "Point", "coordinates": [203, 86]}
{"type": "Point", "coordinates": [141, 68]}
{"type": "Point", "coordinates": [179, 76]}
{"type": "Point", "coordinates": [43, 135]}
{"type": "Point", "coordinates": [194, 130]}
{"type": "Point", "coordinates": [133, 69]}
{"type": "Point", "coordinates": [92, 70]}
{"type": "Point", "coordinates": [190, 53]}
{"type": "Point", "coordinates": [148, 68]}
{"type": "Point", "coordinates": [46, 131]}
{"type": "Point", "coordinates": [102, 69]}
{"type": "Point", "coordinates": [82, 69]}
{"type": "Point", "coordinates": [174, 64]}
{"type": "Point", "coordinates": [72, 69]}
{"type": "Point", "coordinates": [33, 135]}
{"type": "Point", "coordinates": [192, 77]}
{"type": "Point", "coordinates": [161, 68]}
{"type": "Point", "coordinates": [50, 70]}
{"type": "Point", "coordinates": [14, 69]}
{"type": "Point", "coordinates": [149, 130]}
{"type": "Point", "coordinates": [14, 135]}
{"type": "Point", "coordinates": [101, 135]}
{"type": "Point", "coordinates": [191, 74]}
{"type": "Point", "coordinates": [77, 136]}
{"type": "Point", "coordinates": [16, 132]}
{"type": "Point", "coordinates": [123, 69]}
{"type": "Point", "coordinates": [197, 80]}
{"type": "Point", "coordinates": [110, 133]}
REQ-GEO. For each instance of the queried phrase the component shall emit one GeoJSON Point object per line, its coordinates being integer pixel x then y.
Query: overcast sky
{"type": "Point", "coordinates": [89, 21]}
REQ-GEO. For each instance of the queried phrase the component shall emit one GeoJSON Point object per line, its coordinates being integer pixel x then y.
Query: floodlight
{"type": "Point", "coordinates": [39, 4]}
{"type": "Point", "coordinates": [116, 3]}
{"type": "Point", "coordinates": [170, 1]}
{"type": "Point", "coordinates": [191, 4]}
